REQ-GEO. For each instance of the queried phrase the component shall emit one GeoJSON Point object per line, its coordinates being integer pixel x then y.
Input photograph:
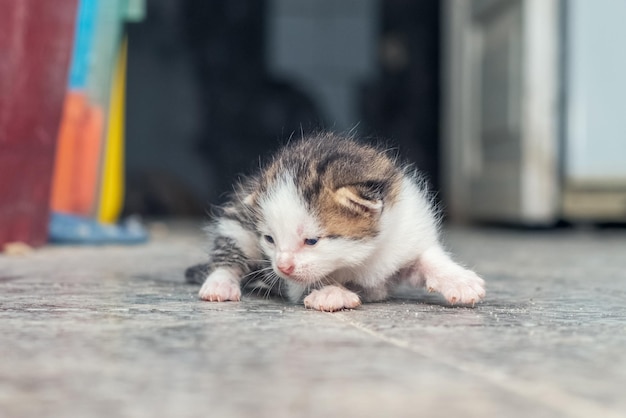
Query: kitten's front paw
{"type": "Point", "coordinates": [331, 299]}
{"type": "Point", "coordinates": [220, 286]}
{"type": "Point", "coordinates": [461, 287]}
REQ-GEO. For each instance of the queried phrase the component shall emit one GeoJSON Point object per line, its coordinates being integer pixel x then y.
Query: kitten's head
{"type": "Point", "coordinates": [320, 206]}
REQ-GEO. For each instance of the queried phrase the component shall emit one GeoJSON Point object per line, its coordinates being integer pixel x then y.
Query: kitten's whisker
{"type": "Point", "coordinates": [259, 271]}
{"type": "Point", "coordinates": [261, 262]}
{"type": "Point", "coordinates": [256, 288]}
{"type": "Point", "coordinates": [268, 290]}
{"type": "Point", "coordinates": [273, 281]}
{"type": "Point", "coordinates": [279, 287]}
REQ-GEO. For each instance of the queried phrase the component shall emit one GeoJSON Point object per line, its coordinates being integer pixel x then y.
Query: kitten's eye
{"type": "Point", "coordinates": [311, 241]}
{"type": "Point", "coordinates": [269, 238]}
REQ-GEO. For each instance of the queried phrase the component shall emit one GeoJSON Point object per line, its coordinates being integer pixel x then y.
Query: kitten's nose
{"type": "Point", "coordinates": [284, 262]}
{"type": "Point", "coordinates": [286, 268]}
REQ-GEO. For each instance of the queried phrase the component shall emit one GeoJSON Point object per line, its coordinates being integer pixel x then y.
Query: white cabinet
{"type": "Point", "coordinates": [534, 119]}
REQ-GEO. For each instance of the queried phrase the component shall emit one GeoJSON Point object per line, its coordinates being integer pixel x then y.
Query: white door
{"type": "Point", "coordinates": [501, 110]}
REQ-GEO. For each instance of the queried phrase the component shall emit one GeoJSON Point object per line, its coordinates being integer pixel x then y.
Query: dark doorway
{"type": "Point", "coordinates": [212, 85]}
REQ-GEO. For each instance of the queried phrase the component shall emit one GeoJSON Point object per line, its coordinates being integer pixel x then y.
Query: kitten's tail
{"type": "Point", "coordinates": [197, 274]}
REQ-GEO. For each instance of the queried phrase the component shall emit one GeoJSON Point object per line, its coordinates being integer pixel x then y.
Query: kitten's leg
{"type": "Point", "coordinates": [221, 285]}
{"type": "Point", "coordinates": [232, 247]}
{"type": "Point", "coordinates": [332, 298]}
{"type": "Point", "coordinates": [327, 298]}
{"type": "Point", "coordinates": [438, 272]}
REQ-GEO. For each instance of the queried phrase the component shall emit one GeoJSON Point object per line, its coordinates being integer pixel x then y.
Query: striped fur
{"type": "Point", "coordinates": [327, 217]}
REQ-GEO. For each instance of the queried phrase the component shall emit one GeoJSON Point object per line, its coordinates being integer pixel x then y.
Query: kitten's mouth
{"type": "Point", "coordinates": [281, 274]}
{"type": "Point", "coordinates": [292, 277]}
{"type": "Point", "coordinates": [287, 277]}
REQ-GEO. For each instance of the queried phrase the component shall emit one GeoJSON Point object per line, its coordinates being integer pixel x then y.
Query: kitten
{"type": "Point", "coordinates": [332, 223]}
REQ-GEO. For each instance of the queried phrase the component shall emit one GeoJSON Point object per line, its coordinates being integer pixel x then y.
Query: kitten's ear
{"type": "Point", "coordinates": [349, 197]}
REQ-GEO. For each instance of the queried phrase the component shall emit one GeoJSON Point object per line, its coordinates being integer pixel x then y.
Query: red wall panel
{"type": "Point", "coordinates": [35, 49]}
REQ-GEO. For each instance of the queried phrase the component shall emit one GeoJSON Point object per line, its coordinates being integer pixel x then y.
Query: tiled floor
{"type": "Point", "coordinates": [114, 332]}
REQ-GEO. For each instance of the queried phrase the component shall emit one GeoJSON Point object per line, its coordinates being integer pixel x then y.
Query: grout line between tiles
{"type": "Point", "coordinates": [548, 395]}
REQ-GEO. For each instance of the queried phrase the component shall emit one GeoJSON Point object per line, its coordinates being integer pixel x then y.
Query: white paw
{"type": "Point", "coordinates": [220, 286]}
{"type": "Point", "coordinates": [459, 286]}
{"type": "Point", "coordinates": [331, 299]}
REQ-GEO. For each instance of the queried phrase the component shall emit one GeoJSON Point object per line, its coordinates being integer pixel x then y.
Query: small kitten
{"type": "Point", "coordinates": [332, 223]}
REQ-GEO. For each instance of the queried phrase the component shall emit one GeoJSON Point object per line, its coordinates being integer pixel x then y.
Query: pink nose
{"type": "Point", "coordinates": [286, 269]}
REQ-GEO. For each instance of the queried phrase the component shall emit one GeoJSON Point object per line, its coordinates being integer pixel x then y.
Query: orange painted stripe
{"type": "Point", "coordinates": [66, 152]}
{"type": "Point", "coordinates": [77, 163]}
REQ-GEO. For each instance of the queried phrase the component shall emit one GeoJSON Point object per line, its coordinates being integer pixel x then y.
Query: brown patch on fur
{"type": "Point", "coordinates": [339, 220]}
{"type": "Point", "coordinates": [341, 180]}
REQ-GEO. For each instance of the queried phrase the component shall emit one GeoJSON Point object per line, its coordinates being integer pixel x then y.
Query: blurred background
{"type": "Point", "coordinates": [214, 84]}
{"type": "Point", "coordinates": [512, 108]}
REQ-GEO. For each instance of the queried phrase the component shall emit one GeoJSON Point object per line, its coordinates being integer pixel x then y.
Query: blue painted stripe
{"type": "Point", "coordinates": [83, 43]}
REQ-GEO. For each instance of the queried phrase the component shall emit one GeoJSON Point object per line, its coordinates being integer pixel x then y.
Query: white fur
{"type": "Point", "coordinates": [408, 240]}
{"type": "Point", "coordinates": [295, 291]}
{"type": "Point", "coordinates": [285, 213]}
{"type": "Point", "coordinates": [441, 274]}
{"type": "Point", "coordinates": [246, 240]}
{"type": "Point", "coordinates": [408, 228]}
{"type": "Point", "coordinates": [331, 299]}
{"type": "Point", "coordinates": [221, 285]}
{"type": "Point", "coordinates": [289, 223]}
